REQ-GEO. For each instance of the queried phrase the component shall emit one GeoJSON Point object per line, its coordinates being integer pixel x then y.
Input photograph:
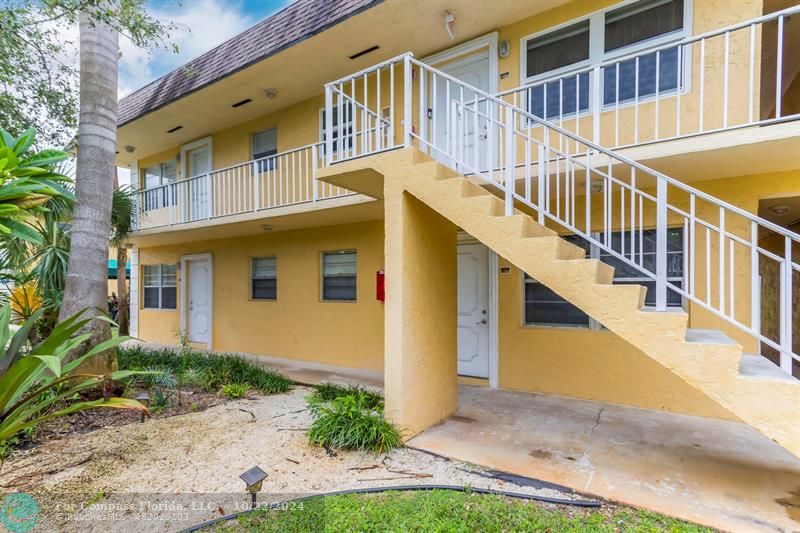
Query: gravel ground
{"type": "Point", "coordinates": [167, 474]}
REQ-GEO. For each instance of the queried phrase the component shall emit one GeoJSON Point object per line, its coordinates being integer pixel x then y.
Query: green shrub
{"type": "Point", "coordinates": [234, 391]}
{"type": "Point", "coordinates": [209, 371]}
{"type": "Point", "coordinates": [349, 423]}
{"type": "Point", "coordinates": [326, 392]}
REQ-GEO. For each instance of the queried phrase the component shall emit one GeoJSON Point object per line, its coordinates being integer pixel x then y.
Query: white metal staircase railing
{"type": "Point", "coordinates": [279, 180]}
{"type": "Point", "coordinates": [631, 212]}
{"type": "Point", "coordinates": [728, 78]}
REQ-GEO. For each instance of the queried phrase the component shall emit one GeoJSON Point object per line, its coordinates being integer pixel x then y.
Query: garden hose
{"type": "Point", "coordinates": [374, 490]}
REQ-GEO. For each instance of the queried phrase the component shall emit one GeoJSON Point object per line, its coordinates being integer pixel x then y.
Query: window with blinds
{"type": "Point", "coordinates": [597, 39]}
{"type": "Point", "coordinates": [265, 144]}
{"type": "Point", "coordinates": [264, 278]}
{"type": "Point", "coordinates": [339, 276]}
{"type": "Point", "coordinates": [553, 51]}
{"type": "Point", "coordinates": [632, 25]}
{"type": "Point", "coordinates": [641, 21]}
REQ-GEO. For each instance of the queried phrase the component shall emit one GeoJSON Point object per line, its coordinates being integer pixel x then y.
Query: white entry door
{"type": "Point", "coordinates": [473, 310]}
{"type": "Point", "coordinates": [459, 125]}
{"type": "Point", "coordinates": [199, 301]}
{"type": "Point", "coordinates": [197, 164]}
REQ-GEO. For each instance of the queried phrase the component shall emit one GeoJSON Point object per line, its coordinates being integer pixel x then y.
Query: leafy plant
{"type": "Point", "coordinates": [209, 371]}
{"type": "Point", "coordinates": [325, 392]}
{"type": "Point", "coordinates": [28, 180]}
{"type": "Point", "coordinates": [41, 382]}
{"type": "Point", "coordinates": [348, 422]}
{"type": "Point", "coordinates": [234, 391]}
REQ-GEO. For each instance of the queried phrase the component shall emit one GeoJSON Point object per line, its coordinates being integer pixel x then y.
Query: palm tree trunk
{"type": "Point", "coordinates": [86, 285]}
{"type": "Point", "coordinates": [122, 291]}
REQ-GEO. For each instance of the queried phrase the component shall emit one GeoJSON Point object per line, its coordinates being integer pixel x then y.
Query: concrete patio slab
{"type": "Point", "coordinates": [721, 474]}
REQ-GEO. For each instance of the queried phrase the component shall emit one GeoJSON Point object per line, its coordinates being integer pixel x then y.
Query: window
{"type": "Point", "coordinates": [632, 24]}
{"type": "Point", "coordinates": [265, 144]}
{"type": "Point", "coordinates": [545, 307]}
{"type": "Point", "coordinates": [343, 128]}
{"type": "Point", "coordinates": [264, 282]}
{"type": "Point", "coordinates": [597, 39]}
{"type": "Point", "coordinates": [155, 195]}
{"type": "Point", "coordinates": [554, 51]}
{"type": "Point", "coordinates": [339, 276]}
{"type": "Point", "coordinates": [160, 287]}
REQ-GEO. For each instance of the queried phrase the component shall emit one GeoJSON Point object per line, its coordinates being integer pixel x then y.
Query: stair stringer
{"type": "Point", "coordinates": [770, 406]}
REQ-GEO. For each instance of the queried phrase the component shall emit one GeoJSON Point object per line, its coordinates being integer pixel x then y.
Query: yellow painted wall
{"type": "Point", "coordinates": [298, 324]}
{"type": "Point", "coordinates": [298, 124]}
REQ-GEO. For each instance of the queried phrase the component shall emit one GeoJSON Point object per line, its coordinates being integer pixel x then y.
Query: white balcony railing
{"type": "Point", "coordinates": [724, 79]}
{"type": "Point", "coordinates": [280, 180]}
{"type": "Point", "coordinates": [632, 213]}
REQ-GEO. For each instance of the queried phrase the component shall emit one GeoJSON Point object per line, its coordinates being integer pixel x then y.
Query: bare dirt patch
{"type": "Point", "coordinates": [193, 461]}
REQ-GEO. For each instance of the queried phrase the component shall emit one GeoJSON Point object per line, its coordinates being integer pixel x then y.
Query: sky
{"type": "Point", "coordinates": [200, 26]}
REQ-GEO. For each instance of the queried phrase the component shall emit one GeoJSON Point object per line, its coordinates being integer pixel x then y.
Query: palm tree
{"type": "Point", "coordinates": [86, 286]}
{"type": "Point", "coordinates": [121, 220]}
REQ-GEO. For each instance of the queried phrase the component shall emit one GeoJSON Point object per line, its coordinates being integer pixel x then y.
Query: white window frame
{"type": "Point", "coordinates": [322, 275]}
{"type": "Point", "coordinates": [160, 287]}
{"type": "Point", "coordinates": [597, 54]}
{"type": "Point", "coordinates": [594, 253]}
{"type": "Point", "coordinates": [253, 277]}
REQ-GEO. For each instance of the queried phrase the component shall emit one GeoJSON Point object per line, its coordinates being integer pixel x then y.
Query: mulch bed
{"type": "Point", "coordinates": [192, 400]}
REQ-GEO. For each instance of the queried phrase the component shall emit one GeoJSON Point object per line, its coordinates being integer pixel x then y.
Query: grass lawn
{"type": "Point", "coordinates": [444, 510]}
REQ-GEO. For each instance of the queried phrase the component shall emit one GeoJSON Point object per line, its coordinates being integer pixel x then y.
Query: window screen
{"type": "Point", "coordinates": [264, 278]}
{"type": "Point", "coordinates": [555, 50]}
{"type": "Point", "coordinates": [640, 21]}
{"type": "Point", "coordinates": [339, 276]}
{"type": "Point", "coordinates": [558, 49]}
{"type": "Point", "coordinates": [160, 286]}
{"type": "Point", "coordinates": [265, 144]}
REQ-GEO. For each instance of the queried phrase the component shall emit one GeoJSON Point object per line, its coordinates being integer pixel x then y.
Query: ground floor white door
{"type": "Point", "coordinates": [198, 302]}
{"type": "Point", "coordinates": [473, 310]}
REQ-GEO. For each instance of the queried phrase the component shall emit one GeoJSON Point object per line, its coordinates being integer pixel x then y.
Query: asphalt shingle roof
{"type": "Point", "coordinates": [296, 22]}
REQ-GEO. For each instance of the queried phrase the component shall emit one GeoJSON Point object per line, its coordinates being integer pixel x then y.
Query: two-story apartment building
{"type": "Point", "coordinates": [595, 198]}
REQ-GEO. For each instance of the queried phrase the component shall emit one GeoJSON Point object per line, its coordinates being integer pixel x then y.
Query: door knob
{"type": "Point", "coordinates": [481, 322]}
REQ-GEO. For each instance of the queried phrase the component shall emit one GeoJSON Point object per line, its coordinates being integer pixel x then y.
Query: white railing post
{"type": "Point", "coordinates": [256, 187]}
{"type": "Point", "coordinates": [661, 245]}
{"type": "Point", "coordinates": [329, 124]}
{"type": "Point", "coordinates": [423, 111]}
{"type": "Point", "coordinates": [209, 199]}
{"type": "Point", "coordinates": [597, 105]}
{"type": "Point", "coordinates": [407, 101]}
{"type": "Point", "coordinates": [509, 176]}
{"type": "Point", "coordinates": [314, 194]}
{"type": "Point", "coordinates": [540, 183]}
{"type": "Point", "coordinates": [786, 307]}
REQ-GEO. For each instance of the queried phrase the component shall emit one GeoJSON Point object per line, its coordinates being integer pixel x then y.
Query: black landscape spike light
{"type": "Point", "coordinates": [253, 478]}
{"type": "Point", "coordinates": [144, 399]}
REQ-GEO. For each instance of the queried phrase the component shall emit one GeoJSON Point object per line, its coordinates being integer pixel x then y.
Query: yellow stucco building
{"type": "Point", "coordinates": [595, 198]}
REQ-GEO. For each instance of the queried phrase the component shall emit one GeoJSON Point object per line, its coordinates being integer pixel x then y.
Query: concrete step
{"type": "Point", "coordinates": [757, 366]}
{"type": "Point", "coordinates": [708, 336]}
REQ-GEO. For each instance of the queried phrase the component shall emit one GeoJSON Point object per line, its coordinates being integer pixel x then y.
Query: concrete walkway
{"type": "Point", "coordinates": [717, 473]}
{"type": "Point", "coordinates": [721, 474]}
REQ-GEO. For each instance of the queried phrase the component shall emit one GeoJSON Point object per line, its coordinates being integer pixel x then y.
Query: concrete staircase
{"type": "Point", "coordinates": [747, 385]}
